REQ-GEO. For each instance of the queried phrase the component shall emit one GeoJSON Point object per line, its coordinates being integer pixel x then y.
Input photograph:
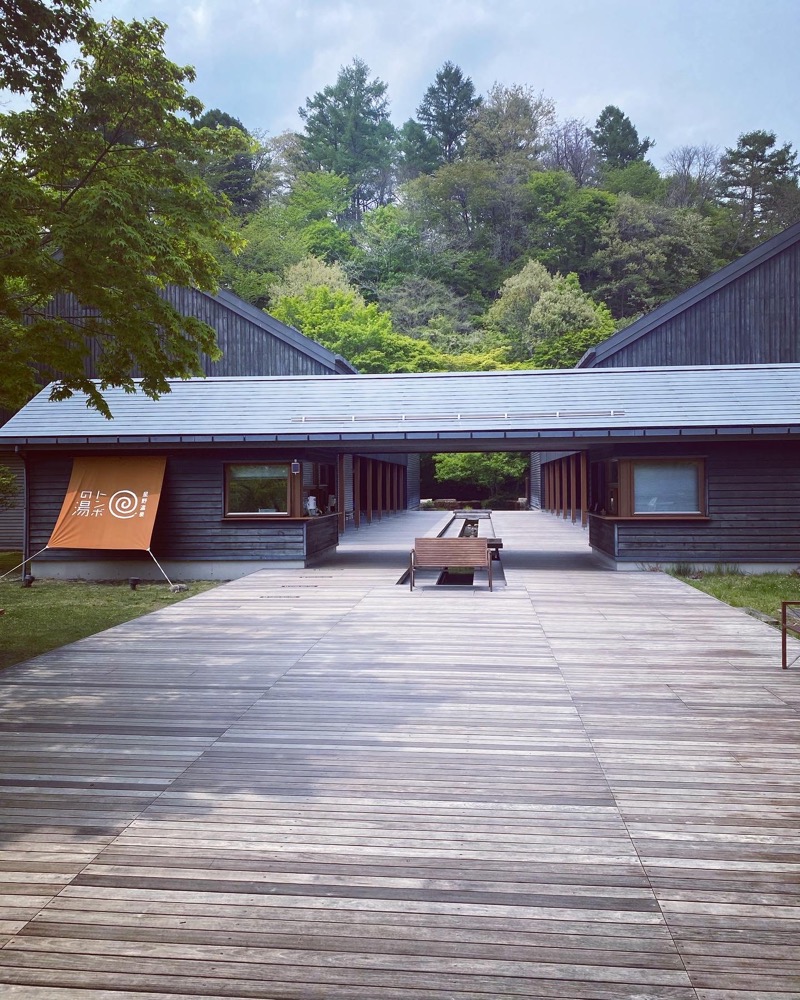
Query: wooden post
{"type": "Point", "coordinates": [556, 487]}
{"type": "Point", "coordinates": [340, 492]}
{"type": "Point", "coordinates": [584, 488]}
{"type": "Point", "coordinates": [379, 484]}
{"type": "Point", "coordinates": [573, 487]}
{"type": "Point", "coordinates": [548, 486]}
{"type": "Point", "coordinates": [357, 486]}
{"type": "Point", "coordinates": [369, 490]}
{"type": "Point", "coordinates": [564, 486]}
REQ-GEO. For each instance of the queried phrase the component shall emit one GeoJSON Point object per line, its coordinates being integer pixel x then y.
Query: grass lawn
{"type": "Point", "coordinates": [54, 612]}
{"type": "Point", "coordinates": [764, 591]}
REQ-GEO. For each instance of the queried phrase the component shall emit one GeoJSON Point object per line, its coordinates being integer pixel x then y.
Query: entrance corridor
{"type": "Point", "coordinates": [319, 785]}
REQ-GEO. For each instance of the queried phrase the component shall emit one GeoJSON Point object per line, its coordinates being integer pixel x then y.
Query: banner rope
{"type": "Point", "coordinates": [23, 562]}
{"type": "Point", "coordinates": [161, 568]}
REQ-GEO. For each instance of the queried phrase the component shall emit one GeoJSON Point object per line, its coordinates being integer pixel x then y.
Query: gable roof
{"type": "Point", "coordinates": [512, 409]}
{"type": "Point", "coordinates": [669, 310]}
{"type": "Point", "coordinates": [288, 334]}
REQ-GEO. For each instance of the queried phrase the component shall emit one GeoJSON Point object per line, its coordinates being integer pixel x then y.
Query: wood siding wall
{"type": "Point", "coordinates": [753, 509]}
{"type": "Point", "coordinates": [12, 518]}
{"type": "Point", "coordinates": [247, 348]}
{"type": "Point", "coordinates": [753, 320]}
{"type": "Point", "coordinates": [189, 524]}
{"type": "Point", "coordinates": [413, 483]}
{"type": "Point", "coordinates": [535, 478]}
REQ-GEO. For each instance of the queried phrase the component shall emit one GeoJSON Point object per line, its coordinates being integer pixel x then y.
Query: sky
{"type": "Point", "coordinates": [686, 72]}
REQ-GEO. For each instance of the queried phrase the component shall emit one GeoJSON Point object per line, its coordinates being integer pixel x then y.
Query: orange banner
{"type": "Point", "coordinates": [111, 503]}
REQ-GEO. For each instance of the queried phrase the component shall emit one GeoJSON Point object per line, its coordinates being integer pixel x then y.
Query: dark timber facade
{"type": "Point", "coordinates": [747, 313]}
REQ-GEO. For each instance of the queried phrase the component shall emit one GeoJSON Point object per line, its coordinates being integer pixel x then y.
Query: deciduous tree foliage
{"type": "Point", "coordinates": [30, 34]}
{"type": "Point", "coordinates": [100, 199]}
{"type": "Point", "coordinates": [497, 472]}
{"type": "Point", "coordinates": [649, 254]}
{"type": "Point", "coordinates": [510, 127]}
{"type": "Point", "coordinates": [535, 306]}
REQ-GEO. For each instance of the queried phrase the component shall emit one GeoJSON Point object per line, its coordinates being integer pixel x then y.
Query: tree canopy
{"type": "Point", "coordinates": [616, 139]}
{"type": "Point", "coordinates": [446, 109]}
{"type": "Point", "coordinates": [101, 201]}
{"type": "Point", "coordinates": [348, 132]}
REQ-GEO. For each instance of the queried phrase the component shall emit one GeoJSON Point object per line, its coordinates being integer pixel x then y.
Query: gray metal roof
{"type": "Point", "coordinates": [596, 355]}
{"type": "Point", "coordinates": [503, 407]}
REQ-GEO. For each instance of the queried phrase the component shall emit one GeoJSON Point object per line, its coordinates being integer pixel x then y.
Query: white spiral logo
{"type": "Point", "coordinates": [123, 504]}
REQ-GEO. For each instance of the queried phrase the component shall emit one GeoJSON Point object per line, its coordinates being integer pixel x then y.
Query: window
{"type": "Point", "coordinates": [659, 487]}
{"type": "Point", "coordinates": [666, 488]}
{"type": "Point", "coordinates": [253, 490]}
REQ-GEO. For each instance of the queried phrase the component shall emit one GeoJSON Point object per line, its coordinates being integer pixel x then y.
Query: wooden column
{"type": "Point", "coordinates": [573, 487]}
{"type": "Point", "coordinates": [379, 484]}
{"type": "Point", "coordinates": [370, 476]}
{"type": "Point", "coordinates": [584, 488]}
{"type": "Point", "coordinates": [357, 487]}
{"type": "Point", "coordinates": [548, 486]}
{"type": "Point", "coordinates": [564, 486]}
{"type": "Point", "coordinates": [340, 492]}
{"type": "Point", "coordinates": [557, 486]}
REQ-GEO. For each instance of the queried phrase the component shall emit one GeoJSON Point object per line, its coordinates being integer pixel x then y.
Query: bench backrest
{"type": "Point", "coordinates": [451, 552]}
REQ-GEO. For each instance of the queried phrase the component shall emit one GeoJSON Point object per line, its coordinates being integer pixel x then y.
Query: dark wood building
{"type": "Point", "coordinates": [748, 509]}
{"type": "Point", "coordinates": [692, 465]}
{"type": "Point", "coordinates": [747, 313]}
{"type": "Point", "coordinates": [252, 342]}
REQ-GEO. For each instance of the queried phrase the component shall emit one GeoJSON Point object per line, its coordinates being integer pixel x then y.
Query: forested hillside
{"type": "Point", "coordinates": [485, 232]}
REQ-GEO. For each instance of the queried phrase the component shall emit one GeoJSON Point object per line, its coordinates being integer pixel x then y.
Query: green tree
{"type": "Point", "coordinates": [100, 198]}
{"type": "Point", "coordinates": [616, 139]}
{"type": "Point", "coordinates": [649, 254]}
{"type": "Point", "coordinates": [348, 132]}
{"type": "Point", "coordinates": [446, 110]}
{"type": "Point", "coordinates": [427, 309]}
{"type": "Point", "coordinates": [233, 176]}
{"type": "Point", "coordinates": [389, 246]}
{"type": "Point", "coordinates": [566, 222]}
{"type": "Point", "coordinates": [640, 179]}
{"type": "Point", "coordinates": [758, 179]}
{"type": "Point", "coordinates": [308, 274]}
{"type": "Point", "coordinates": [535, 306]}
{"type": "Point", "coordinates": [271, 243]}
{"type": "Point", "coordinates": [510, 129]}
{"type": "Point", "coordinates": [32, 31]}
{"type": "Point", "coordinates": [361, 332]}
{"type": "Point", "coordinates": [498, 472]}
{"type": "Point", "coordinates": [417, 152]}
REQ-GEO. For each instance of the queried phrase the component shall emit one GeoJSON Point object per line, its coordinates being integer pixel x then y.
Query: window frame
{"type": "Point", "coordinates": [259, 515]}
{"type": "Point", "coordinates": [619, 499]}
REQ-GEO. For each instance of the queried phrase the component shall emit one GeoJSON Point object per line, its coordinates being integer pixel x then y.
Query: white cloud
{"type": "Point", "coordinates": [683, 71]}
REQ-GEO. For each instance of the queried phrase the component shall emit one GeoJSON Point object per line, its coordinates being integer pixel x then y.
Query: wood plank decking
{"type": "Point", "coordinates": [321, 786]}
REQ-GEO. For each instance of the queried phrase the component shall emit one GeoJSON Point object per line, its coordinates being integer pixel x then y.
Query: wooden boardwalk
{"type": "Point", "coordinates": [318, 785]}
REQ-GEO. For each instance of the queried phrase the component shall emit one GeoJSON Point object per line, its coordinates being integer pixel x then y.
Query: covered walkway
{"type": "Point", "coordinates": [321, 786]}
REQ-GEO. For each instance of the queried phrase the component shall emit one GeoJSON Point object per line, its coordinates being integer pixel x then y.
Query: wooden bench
{"type": "Point", "coordinates": [439, 553]}
{"type": "Point", "coordinates": [790, 622]}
